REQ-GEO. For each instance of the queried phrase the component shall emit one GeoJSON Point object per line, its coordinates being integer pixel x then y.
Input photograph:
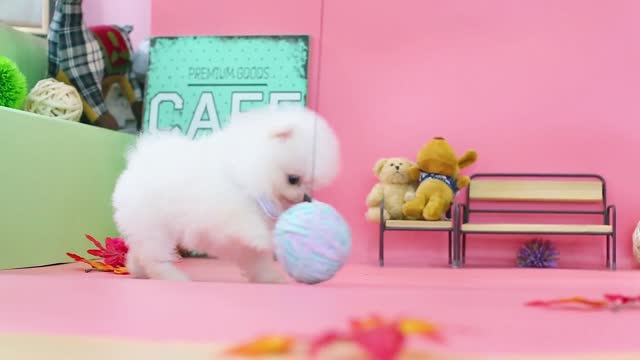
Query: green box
{"type": "Point", "coordinates": [57, 181]}
{"type": "Point", "coordinates": [195, 83]}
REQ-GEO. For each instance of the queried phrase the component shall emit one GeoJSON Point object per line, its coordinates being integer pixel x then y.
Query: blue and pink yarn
{"type": "Point", "coordinates": [312, 241]}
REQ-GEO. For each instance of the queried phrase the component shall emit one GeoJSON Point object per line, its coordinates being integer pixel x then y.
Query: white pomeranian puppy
{"type": "Point", "coordinates": [221, 193]}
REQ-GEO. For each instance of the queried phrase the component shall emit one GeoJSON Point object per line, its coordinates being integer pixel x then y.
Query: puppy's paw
{"type": "Point", "coordinates": [260, 267]}
{"type": "Point", "coordinates": [272, 276]}
{"type": "Point", "coordinates": [165, 271]}
{"type": "Point", "coordinates": [135, 268]}
{"type": "Point", "coordinates": [175, 276]}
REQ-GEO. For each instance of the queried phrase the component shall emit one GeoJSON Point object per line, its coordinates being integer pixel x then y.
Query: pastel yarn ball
{"type": "Point", "coordinates": [312, 241]}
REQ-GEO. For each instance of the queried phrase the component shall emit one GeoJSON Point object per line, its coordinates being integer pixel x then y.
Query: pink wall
{"type": "Point", "coordinates": [495, 76]}
{"type": "Point", "coordinates": [121, 12]}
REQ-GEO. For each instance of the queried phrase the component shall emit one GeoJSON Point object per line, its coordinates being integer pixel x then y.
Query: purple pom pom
{"type": "Point", "coordinates": [537, 253]}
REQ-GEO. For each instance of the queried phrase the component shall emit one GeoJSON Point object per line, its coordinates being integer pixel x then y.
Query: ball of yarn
{"type": "Point", "coordinates": [636, 242]}
{"type": "Point", "coordinates": [13, 84]}
{"type": "Point", "coordinates": [312, 241]}
{"type": "Point", "coordinates": [53, 98]}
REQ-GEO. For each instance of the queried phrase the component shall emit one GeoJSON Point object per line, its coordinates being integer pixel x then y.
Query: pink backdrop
{"type": "Point", "coordinates": [121, 12]}
{"type": "Point", "coordinates": [494, 75]}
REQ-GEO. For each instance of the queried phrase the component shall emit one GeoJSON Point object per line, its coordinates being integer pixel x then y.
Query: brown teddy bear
{"type": "Point", "coordinates": [395, 186]}
{"type": "Point", "coordinates": [438, 174]}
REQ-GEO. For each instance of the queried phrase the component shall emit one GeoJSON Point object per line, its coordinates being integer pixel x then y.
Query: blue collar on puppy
{"type": "Point", "coordinates": [269, 207]}
{"type": "Point", "coordinates": [451, 182]}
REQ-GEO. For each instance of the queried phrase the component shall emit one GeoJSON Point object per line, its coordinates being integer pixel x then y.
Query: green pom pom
{"type": "Point", "coordinates": [13, 84]}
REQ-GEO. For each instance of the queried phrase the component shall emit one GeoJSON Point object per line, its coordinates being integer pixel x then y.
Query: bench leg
{"type": "Point", "coordinates": [453, 238]}
{"type": "Point", "coordinates": [613, 250]}
{"type": "Point", "coordinates": [451, 260]}
{"type": "Point", "coordinates": [463, 250]}
{"type": "Point", "coordinates": [381, 247]}
{"type": "Point", "coordinates": [456, 249]}
{"type": "Point", "coordinates": [609, 251]}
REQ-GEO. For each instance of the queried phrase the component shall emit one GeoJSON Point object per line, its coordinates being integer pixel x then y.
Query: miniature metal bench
{"type": "Point", "coordinates": [575, 194]}
{"type": "Point", "coordinates": [414, 225]}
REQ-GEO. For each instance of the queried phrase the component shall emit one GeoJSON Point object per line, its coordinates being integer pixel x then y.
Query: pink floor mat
{"type": "Point", "coordinates": [480, 310]}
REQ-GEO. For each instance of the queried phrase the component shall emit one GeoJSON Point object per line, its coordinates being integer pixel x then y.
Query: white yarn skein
{"type": "Point", "coordinates": [54, 98]}
{"type": "Point", "coordinates": [636, 242]}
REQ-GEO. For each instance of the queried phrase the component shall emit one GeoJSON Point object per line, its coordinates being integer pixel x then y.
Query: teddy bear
{"type": "Point", "coordinates": [437, 171]}
{"type": "Point", "coordinates": [395, 186]}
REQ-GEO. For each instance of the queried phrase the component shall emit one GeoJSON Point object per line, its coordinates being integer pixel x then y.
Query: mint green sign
{"type": "Point", "coordinates": [195, 83]}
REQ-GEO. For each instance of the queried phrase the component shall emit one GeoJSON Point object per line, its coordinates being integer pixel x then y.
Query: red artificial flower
{"type": "Point", "coordinates": [621, 299]}
{"type": "Point", "coordinates": [608, 302]}
{"type": "Point", "coordinates": [382, 339]}
{"type": "Point", "coordinates": [382, 343]}
{"type": "Point", "coordinates": [114, 252]}
{"type": "Point", "coordinates": [100, 266]}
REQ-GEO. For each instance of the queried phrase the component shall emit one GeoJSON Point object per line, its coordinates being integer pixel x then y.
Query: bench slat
{"type": "Point", "coordinates": [535, 190]}
{"type": "Point", "coordinates": [538, 228]}
{"type": "Point", "coordinates": [418, 224]}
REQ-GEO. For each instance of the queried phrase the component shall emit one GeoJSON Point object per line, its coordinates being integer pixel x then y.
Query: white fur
{"type": "Point", "coordinates": [201, 194]}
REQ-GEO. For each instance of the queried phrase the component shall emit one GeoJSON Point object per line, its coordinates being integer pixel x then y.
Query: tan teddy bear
{"type": "Point", "coordinates": [438, 174]}
{"type": "Point", "coordinates": [395, 186]}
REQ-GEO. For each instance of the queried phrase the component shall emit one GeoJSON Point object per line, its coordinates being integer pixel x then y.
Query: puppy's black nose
{"type": "Point", "coordinates": [306, 198]}
{"type": "Point", "coordinates": [397, 167]}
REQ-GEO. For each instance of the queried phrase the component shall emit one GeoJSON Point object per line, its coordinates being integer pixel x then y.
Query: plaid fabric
{"type": "Point", "coordinates": [74, 51]}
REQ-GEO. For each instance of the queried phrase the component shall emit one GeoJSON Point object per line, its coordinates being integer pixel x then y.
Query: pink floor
{"type": "Point", "coordinates": [481, 309]}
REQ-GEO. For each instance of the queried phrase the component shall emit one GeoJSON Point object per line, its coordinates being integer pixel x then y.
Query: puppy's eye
{"type": "Point", "coordinates": [293, 179]}
{"type": "Point", "coordinates": [392, 165]}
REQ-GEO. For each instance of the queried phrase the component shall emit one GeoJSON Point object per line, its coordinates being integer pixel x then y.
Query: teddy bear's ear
{"type": "Point", "coordinates": [467, 159]}
{"type": "Point", "coordinates": [378, 166]}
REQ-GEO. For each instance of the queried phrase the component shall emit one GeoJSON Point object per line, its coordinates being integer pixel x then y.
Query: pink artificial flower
{"type": "Point", "coordinates": [381, 342]}
{"type": "Point", "coordinates": [114, 252]}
